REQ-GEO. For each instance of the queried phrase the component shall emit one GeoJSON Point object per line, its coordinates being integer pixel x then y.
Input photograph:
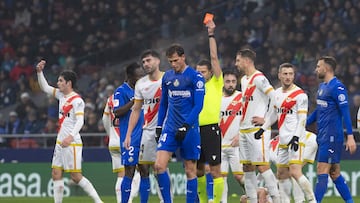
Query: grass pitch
{"type": "Point", "coordinates": [110, 199]}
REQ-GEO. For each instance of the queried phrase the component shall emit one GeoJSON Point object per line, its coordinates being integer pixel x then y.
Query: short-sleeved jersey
{"type": "Point", "coordinates": [179, 92]}
{"type": "Point", "coordinates": [288, 106]}
{"type": "Point", "coordinates": [212, 101]}
{"type": "Point", "coordinates": [230, 116]}
{"type": "Point", "coordinates": [68, 124]}
{"type": "Point", "coordinates": [114, 132]}
{"type": "Point", "coordinates": [149, 92]}
{"type": "Point", "coordinates": [255, 90]}
{"type": "Point", "coordinates": [122, 96]}
{"type": "Point", "coordinates": [331, 97]}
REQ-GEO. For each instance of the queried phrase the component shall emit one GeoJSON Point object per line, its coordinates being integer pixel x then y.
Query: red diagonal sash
{"type": "Point", "coordinates": [112, 115]}
{"type": "Point", "coordinates": [66, 109]}
{"type": "Point", "coordinates": [150, 114]}
{"type": "Point", "coordinates": [248, 93]}
{"type": "Point", "coordinates": [287, 104]}
{"type": "Point", "coordinates": [234, 106]}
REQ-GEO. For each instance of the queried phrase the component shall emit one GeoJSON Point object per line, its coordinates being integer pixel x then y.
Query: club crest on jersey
{"type": "Point", "coordinates": [176, 83]}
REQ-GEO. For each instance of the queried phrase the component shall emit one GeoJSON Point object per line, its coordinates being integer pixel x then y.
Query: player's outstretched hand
{"type": "Point", "coordinates": [294, 143]}
{"type": "Point", "coordinates": [158, 133]}
{"type": "Point", "coordinates": [181, 132]}
{"type": "Point", "coordinates": [259, 134]}
{"type": "Point", "coordinates": [40, 66]}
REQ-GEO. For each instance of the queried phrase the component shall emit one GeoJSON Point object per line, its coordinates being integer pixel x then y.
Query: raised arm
{"type": "Point", "coordinates": [213, 49]}
{"type": "Point", "coordinates": [41, 79]}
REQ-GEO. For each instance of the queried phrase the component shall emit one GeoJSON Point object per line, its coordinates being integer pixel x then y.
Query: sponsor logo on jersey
{"type": "Point", "coordinates": [179, 93]}
{"type": "Point", "coordinates": [321, 103]}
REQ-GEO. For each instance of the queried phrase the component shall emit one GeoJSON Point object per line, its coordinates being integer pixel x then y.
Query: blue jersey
{"type": "Point", "coordinates": [123, 94]}
{"type": "Point", "coordinates": [331, 111]}
{"type": "Point", "coordinates": [182, 99]}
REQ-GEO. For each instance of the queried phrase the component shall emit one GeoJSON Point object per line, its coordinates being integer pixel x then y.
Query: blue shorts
{"type": "Point", "coordinates": [330, 152]}
{"type": "Point", "coordinates": [130, 157]}
{"type": "Point", "coordinates": [189, 147]}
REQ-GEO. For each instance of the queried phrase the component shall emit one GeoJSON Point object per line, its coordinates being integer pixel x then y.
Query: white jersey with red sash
{"type": "Point", "coordinates": [230, 117]}
{"type": "Point", "coordinates": [114, 132]}
{"type": "Point", "coordinates": [69, 106]}
{"type": "Point", "coordinates": [149, 92]}
{"type": "Point", "coordinates": [291, 106]}
{"type": "Point", "coordinates": [255, 90]}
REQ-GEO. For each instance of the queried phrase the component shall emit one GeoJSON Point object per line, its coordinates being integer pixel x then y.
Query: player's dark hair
{"type": "Point", "coordinates": [248, 53]}
{"type": "Point", "coordinates": [331, 61]}
{"type": "Point", "coordinates": [231, 71]}
{"type": "Point", "coordinates": [205, 62]}
{"type": "Point", "coordinates": [149, 52]}
{"type": "Point", "coordinates": [175, 48]}
{"type": "Point", "coordinates": [131, 68]}
{"type": "Point", "coordinates": [69, 75]}
{"type": "Point", "coordinates": [287, 65]}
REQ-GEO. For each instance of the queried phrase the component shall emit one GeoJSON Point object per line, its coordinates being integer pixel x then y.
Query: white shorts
{"type": "Point", "coordinates": [67, 158]}
{"type": "Point", "coordinates": [230, 157]}
{"type": "Point", "coordinates": [116, 159]}
{"type": "Point", "coordinates": [287, 156]}
{"type": "Point", "coordinates": [310, 150]}
{"type": "Point", "coordinates": [147, 147]}
{"type": "Point", "coordinates": [253, 151]}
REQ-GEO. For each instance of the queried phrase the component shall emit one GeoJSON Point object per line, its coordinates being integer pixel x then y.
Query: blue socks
{"type": "Point", "coordinates": [191, 190]}
{"type": "Point", "coordinates": [343, 189]}
{"type": "Point", "coordinates": [209, 186]}
{"type": "Point", "coordinates": [164, 185]}
{"type": "Point", "coordinates": [144, 189]}
{"type": "Point", "coordinates": [321, 186]}
{"type": "Point", "coordinates": [125, 189]}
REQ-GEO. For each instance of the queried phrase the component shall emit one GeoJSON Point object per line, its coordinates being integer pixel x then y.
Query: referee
{"type": "Point", "coordinates": [210, 132]}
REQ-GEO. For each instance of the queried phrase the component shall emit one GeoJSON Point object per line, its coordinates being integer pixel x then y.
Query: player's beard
{"type": "Point", "coordinates": [229, 91]}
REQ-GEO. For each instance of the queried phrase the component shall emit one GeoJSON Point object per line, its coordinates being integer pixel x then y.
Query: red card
{"type": "Point", "coordinates": [208, 17]}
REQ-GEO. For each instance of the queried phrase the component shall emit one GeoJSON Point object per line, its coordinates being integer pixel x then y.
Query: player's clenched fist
{"type": "Point", "coordinates": [40, 66]}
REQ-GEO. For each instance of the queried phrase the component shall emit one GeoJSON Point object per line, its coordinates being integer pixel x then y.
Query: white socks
{"type": "Point", "coordinates": [250, 186]}
{"type": "Point", "coordinates": [271, 185]}
{"type": "Point", "coordinates": [86, 185]}
{"type": "Point", "coordinates": [299, 196]}
{"type": "Point", "coordinates": [285, 190]}
{"type": "Point", "coordinates": [58, 190]}
{"type": "Point", "coordinates": [135, 184]}
{"type": "Point", "coordinates": [306, 188]}
{"type": "Point", "coordinates": [225, 191]}
{"type": "Point", "coordinates": [118, 189]}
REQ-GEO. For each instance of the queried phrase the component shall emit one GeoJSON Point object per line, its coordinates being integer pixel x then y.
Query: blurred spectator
{"type": "Point", "coordinates": [13, 126]}
{"type": "Point", "coordinates": [26, 104]}
{"type": "Point", "coordinates": [91, 126]}
{"type": "Point", "coordinates": [33, 124]}
{"type": "Point", "coordinates": [50, 128]}
{"type": "Point", "coordinates": [8, 63]}
{"type": "Point", "coordinates": [22, 70]}
{"type": "Point", "coordinates": [2, 130]}
{"type": "Point", "coordinates": [7, 90]}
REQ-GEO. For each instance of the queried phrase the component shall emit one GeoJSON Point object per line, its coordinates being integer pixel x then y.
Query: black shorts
{"type": "Point", "coordinates": [210, 144]}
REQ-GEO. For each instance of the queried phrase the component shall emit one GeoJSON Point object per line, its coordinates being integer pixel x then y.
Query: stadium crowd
{"type": "Point", "coordinates": [88, 36]}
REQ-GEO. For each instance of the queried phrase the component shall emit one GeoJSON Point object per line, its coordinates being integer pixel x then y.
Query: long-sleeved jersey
{"type": "Point", "coordinates": [331, 111]}
{"type": "Point", "coordinates": [182, 99]}
{"type": "Point", "coordinates": [123, 95]}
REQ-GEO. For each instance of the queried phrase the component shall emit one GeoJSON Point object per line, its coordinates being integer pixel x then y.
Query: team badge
{"type": "Point", "coordinates": [176, 83]}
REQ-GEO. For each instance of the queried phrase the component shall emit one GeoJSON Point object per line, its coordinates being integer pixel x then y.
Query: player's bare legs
{"type": "Point", "coordinates": [161, 163]}
{"type": "Point", "coordinates": [296, 172]}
